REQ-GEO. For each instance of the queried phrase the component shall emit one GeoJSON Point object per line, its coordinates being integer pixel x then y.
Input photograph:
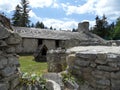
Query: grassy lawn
{"type": "Point", "coordinates": [29, 65]}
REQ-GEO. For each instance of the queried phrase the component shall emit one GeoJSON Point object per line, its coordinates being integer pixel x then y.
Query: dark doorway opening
{"type": "Point", "coordinates": [44, 51]}
{"type": "Point", "coordinates": [40, 42]}
{"type": "Point", "coordinates": [57, 43]}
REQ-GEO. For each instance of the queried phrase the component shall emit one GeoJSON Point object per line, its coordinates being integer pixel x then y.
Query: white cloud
{"type": "Point", "coordinates": [65, 24]}
{"type": "Point", "coordinates": [110, 8]}
{"type": "Point", "coordinates": [8, 5]}
{"type": "Point", "coordinates": [88, 7]}
{"type": "Point", "coordinates": [40, 3]}
{"type": "Point", "coordinates": [61, 24]}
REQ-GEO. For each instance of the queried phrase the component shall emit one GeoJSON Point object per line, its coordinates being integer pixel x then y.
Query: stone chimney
{"type": "Point", "coordinates": [83, 26]}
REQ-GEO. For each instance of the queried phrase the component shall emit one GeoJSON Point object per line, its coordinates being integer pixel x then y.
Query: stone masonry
{"type": "Point", "coordinates": [56, 60]}
{"type": "Point", "coordinates": [9, 74]}
{"type": "Point", "coordinates": [99, 66]}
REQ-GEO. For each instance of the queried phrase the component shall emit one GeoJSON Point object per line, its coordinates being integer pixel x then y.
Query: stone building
{"type": "Point", "coordinates": [53, 39]}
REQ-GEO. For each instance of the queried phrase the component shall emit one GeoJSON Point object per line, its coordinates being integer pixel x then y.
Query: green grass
{"type": "Point", "coordinates": [27, 64]}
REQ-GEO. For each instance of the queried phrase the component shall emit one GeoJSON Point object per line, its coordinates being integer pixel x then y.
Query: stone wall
{"type": "Point", "coordinates": [9, 64]}
{"type": "Point", "coordinates": [56, 60]}
{"type": "Point", "coordinates": [99, 68]}
{"type": "Point", "coordinates": [50, 44]}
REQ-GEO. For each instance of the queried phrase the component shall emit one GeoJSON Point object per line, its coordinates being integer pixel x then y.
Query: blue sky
{"type": "Point", "coordinates": [65, 14]}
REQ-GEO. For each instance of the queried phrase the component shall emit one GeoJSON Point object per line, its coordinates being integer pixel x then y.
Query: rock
{"type": "Point", "coordinates": [10, 50]}
{"type": "Point", "coordinates": [115, 84]}
{"type": "Point", "coordinates": [3, 62]}
{"type": "Point", "coordinates": [8, 71]}
{"type": "Point", "coordinates": [101, 56]}
{"type": "Point", "coordinates": [86, 55]}
{"type": "Point", "coordinates": [14, 39]}
{"type": "Point", "coordinates": [52, 85]}
{"type": "Point", "coordinates": [15, 82]}
{"type": "Point", "coordinates": [4, 33]}
{"type": "Point", "coordinates": [13, 60]}
{"type": "Point", "coordinates": [82, 63]}
{"type": "Point", "coordinates": [104, 82]}
{"type": "Point", "coordinates": [54, 77]}
{"type": "Point", "coordinates": [56, 60]}
{"type": "Point", "coordinates": [107, 68]}
{"type": "Point", "coordinates": [100, 74]}
{"type": "Point", "coordinates": [101, 61]}
{"type": "Point", "coordinates": [115, 75]}
{"type": "Point", "coordinates": [71, 85]}
{"type": "Point", "coordinates": [3, 44]}
{"type": "Point", "coordinates": [3, 86]}
{"type": "Point", "coordinates": [70, 59]}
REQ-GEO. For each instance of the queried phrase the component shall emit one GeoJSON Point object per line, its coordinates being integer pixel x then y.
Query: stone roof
{"type": "Point", "coordinates": [55, 34]}
{"type": "Point", "coordinates": [45, 33]}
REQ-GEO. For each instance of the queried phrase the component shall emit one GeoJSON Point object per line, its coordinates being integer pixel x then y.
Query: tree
{"type": "Point", "coordinates": [21, 15]}
{"type": "Point", "coordinates": [116, 35]}
{"type": "Point", "coordinates": [25, 16]}
{"type": "Point", "coordinates": [74, 30]}
{"type": "Point", "coordinates": [40, 25]}
{"type": "Point", "coordinates": [51, 28]}
{"type": "Point", "coordinates": [32, 25]}
{"type": "Point", "coordinates": [101, 27]}
{"type": "Point", "coordinates": [17, 16]}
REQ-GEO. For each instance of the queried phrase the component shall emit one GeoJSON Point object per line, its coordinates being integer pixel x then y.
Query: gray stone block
{"type": "Point", "coordinates": [82, 63]}
{"type": "Point", "coordinates": [14, 39]}
{"type": "Point", "coordinates": [3, 62]}
{"type": "Point", "coordinates": [8, 71]}
{"type": "Point", "coordinates": [107, 68]}
{"type": "Point", "coordinates": [4, 33]}
{"type": "Point", "coordinates": [4, 86]}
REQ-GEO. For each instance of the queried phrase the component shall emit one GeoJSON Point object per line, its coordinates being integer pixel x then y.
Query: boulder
{"type": "Point", "coordinates": [54, 77]}
{"type": "Point", "coordinates": [4, 33]}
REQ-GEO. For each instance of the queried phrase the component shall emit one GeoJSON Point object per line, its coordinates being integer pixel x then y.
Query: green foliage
{"type": "Point", "coordinates": [68, 77]}
{"type": "Point", "coordinates": [30, 66]}
{"type": "Point", "coordinates": [33, 79]}
{"type": "Point", "coordinates": [102, 28]}
{"type": "Point", "coordinates": [21, 16]}
{"type": "Point", "coordinates": [116, 35]}
{"type": "Point", "coordinates": [40, 25]}
{"type": "Point", "coordinates": [17, 16]}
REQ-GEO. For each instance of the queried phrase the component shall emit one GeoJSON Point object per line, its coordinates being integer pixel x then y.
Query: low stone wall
{"type": "Point", "coordinates": [56, 60]}
{"type": "Point", "coordinates": [100, 68]}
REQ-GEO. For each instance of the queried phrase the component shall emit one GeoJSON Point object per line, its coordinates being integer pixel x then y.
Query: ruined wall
{"type": "Point", "coordinates": [9, 64]}
{"type": "Point", "coordinates": [100, 70]}
{"type": "Point", "coordinates": [50, 44]}
{"type": "Point", "coordinates": [29, 45]}
{"type": "Point", "coordinates": [56, 60]}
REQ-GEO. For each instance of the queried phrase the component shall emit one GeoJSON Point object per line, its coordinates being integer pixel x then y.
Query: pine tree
{"type": "Point", "coordinates": [17, 16]}
{"type": "Point", "coordinates": [39, 25]}
{"type": "Point", "coordinates": [101, 27]}
{"type": "Point", "coordinates": [51, 28]}
{"type": "Point", "coordinates": [117, 30]}
{"type": "Point", "coordinates": [32, 25]}
{"type": "Point", "coordinates": [25, 16]}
